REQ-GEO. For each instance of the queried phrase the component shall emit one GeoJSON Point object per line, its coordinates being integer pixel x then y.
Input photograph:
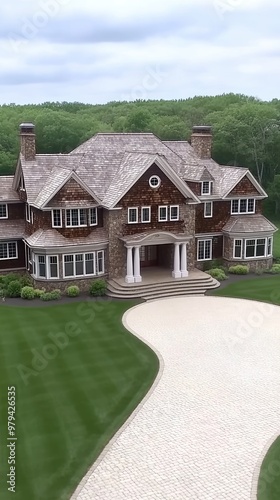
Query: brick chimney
{"type": "Point", "coordinates": [201, 141]}
{"type": "Point", "coordinates": [27, 141]}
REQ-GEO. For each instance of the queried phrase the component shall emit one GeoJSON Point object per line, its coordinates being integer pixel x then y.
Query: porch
{"type": "Point", "coordinates": [158, 282]}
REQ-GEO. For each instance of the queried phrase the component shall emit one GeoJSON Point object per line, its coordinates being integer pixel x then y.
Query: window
{"type": "Point", "coordinates": [76, 217]}
{"type": "Point", "coordinates": [100, 262]}
{"type": "Point", "coordinates": [269, 246]}
{"type": "Point", "coordinates": [163, 213]}
{"type": "Point", "coordinates": [53, 266]}
{"type": "Point", "coordinates": [174, 212]}
{"type": "Point", "coordinates": [146, 214]}
{"type": "Point", "coordinates": [42, 266]}
{"type": "Point", "coordinates": [204, 250]}
{"type": "Point", "coordinates": [77, 265]}
{"type": "Point", "coordinates": [243, 206]}
{"type": "Point", "coordinates": [8, 250]}
{"type": "Point", "coordinates": [255, 248]}
{"type": "Point", "coordinates": [206, 187]}
{"type": "Point", "coordinates": [208, 209]}
{"type": "Point", "coordinates": [56, 218]}
{"type": "Point", "coordinates": [154, 181]}
{"type": "Point", "coordinates": [133, 215]}
{"type": "Point", "coordinates": [93, 216]}
{"type": "Point", "coordinates": [237, 252]}
{"type": "Point", "coordinates": [3, 211]}
{"type": "Point", "coordinates": [27, 212]}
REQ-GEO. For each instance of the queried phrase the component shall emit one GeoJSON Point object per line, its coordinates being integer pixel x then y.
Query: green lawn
{"type": "Point", "coordinates": [266, 290]}
{"type": "Point", "coordinates": [70, 398]}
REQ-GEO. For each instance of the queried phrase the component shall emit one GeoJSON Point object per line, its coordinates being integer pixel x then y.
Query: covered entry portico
{"type": "Point", "coordinates": [134, 244]}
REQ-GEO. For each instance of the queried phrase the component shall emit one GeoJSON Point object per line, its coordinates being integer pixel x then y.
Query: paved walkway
{"type": "Point", "coordinates": [202, 432]}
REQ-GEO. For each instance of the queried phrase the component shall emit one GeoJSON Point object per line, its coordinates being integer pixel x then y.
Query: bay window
{"type": "Point", "coordinates": [88, 264]}
{"type": "Point", "coordinates": [237, 251]}
{"type": "Point", "coordinates": [252, 248]}
{"type": "Point", "coordinates": [45, 266]}
{"type": "Point", "coordinates": [76, 217]}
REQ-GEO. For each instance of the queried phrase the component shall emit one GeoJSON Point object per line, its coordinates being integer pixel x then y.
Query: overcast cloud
{"type": "Point", "coordinates": [64, 50]}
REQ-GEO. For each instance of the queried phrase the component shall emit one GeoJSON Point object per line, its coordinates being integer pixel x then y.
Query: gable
{"type": "Point", "coordinates": [72, 193]}
{"type": "Point", "coordinates": [141, 193]}
{"type": "Point", "coordinates": [243, 188]}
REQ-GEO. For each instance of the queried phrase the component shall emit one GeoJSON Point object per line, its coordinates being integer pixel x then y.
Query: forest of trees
{"type": "Point", "coordinates": [246, 130]}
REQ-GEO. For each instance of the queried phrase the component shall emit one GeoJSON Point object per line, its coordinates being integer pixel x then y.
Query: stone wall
{"type": "Point", "coordinates": [83, 283]}
{"type": "Point", "coordinates": [113, 223]}
{"type": "Point", "coordinates": [253, 264]}
{"type": "Point", "coordinates": [28, 146]}
{"type": "Point", "coordinates": [202, 144]}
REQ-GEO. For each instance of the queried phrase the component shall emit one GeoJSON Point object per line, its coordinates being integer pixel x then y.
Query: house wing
{"type": "Point", "coordinates": [248, 185]}
{"type": "Point", "coordinates": [133, 166]}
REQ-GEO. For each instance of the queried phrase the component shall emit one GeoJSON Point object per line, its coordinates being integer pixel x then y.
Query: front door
{"type": "Point", "coordinates": [148, 256]}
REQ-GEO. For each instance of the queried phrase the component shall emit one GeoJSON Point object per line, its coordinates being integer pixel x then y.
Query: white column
{"type": "Point", "coordinates": [129, 266]}
{"type": "Point", "coordinates": [184, 271]}
{"type": "Point", "coordinates": [176, 273]}
{"type": "Point", "coordinates": [137, 275]}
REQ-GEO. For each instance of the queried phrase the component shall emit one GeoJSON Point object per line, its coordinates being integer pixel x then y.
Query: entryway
{"type": "Point", "coordinates": [149, 256]}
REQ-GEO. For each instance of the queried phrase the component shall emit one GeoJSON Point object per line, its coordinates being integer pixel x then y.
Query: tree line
{"type": "Point", "coordinates": [246, 130]}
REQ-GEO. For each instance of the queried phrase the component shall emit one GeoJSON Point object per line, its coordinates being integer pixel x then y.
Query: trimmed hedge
{"type": "Point", "coordinates": [73, 291]}
{"type": "Point", "coordinates": [275, 269]}
{"type": "Point", "coordinates": [98, 288]}
{"type": "Point", "coordinates": [53, 295]}
{"type": "Point", "coordinates": [28, 293]}
{"type": "Point", "coordinates": [14, 289]}
{"type": "Point", "coordinates": [218, 274]}
{"type": "Point", "coordinates": [238, 269]}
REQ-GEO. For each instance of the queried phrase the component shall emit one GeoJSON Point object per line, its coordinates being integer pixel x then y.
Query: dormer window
{"type": "Point", "coordinates": [206, 187]}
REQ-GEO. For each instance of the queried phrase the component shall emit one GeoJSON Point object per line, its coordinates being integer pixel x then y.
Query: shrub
{"type": "Point", "coordinates": [239, 269]}
{"type": "Point", "coordinates": [27, 293]}
{"type": "Point", "coordinates": [218, 274]}
{"type": "Point", "coordinates": [38, 293]}
{"type": "Point", "coordinates": [54, 295]}
{"type": "Point", "coordinates": [275, 269]}
{"type": "Point", "coordinates": [25, 281]}
{"type": "Point", "coordinates": [3, 293]}
{"type": "Point", "coordinates": [6, 279]}
{"type": "Point", "coordinates": [259, 272]}
{"type": "Point", "coordinates": [14, 289]}
{"type": "Point", "coordinates": [98, 288]}
{"type": "Point", "coordinates": [73, 291]}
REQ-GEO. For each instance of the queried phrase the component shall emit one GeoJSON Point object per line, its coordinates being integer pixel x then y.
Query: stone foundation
{"type": "Point", "coordinates": [254, 265]}
{"type": "Point", "coordinates": [62, 285]}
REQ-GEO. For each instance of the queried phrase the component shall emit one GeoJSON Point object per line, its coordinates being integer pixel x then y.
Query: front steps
{"type": "Point", "coordinates": [196, 284]}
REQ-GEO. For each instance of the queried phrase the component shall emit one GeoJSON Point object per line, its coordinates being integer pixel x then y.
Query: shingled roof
{"type": "Point", "coordinates": [249, 224]}
{"type": "Point", "coordinates": [109, 164]}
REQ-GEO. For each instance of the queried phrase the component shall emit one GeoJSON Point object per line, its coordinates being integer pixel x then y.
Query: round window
{"type": "Point", "coordinates": [154, 181]}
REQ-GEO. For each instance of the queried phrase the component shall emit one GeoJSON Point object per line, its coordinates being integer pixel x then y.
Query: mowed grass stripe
{"type": "Point", "coordinates": [69, 409]}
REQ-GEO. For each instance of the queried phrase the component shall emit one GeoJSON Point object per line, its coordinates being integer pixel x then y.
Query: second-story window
{"type": "Point", "coordinates": [208, 209]}
{"type": "Point", "coordinates": [27, 212]}
{"type": "Point", "coordinates": [163, 213]}
{"type": "Point", "coordinates": [56, 218]}
{"type": "Point", "coordinates": [243, 206]}
{"type": "Point", "coordinates": [76, 217]}
{"type": "Point", "coordinates": [133, 215]}
{"type": "Point", "coordinates": [174, 212]}
{"type": "Point", "coordinates": [93, 216]}
{"type": "Point", "coordinates": [3, 211]}
{"type": "Point", "coordinates": [206, 187]}
{"type": "Point", "coordinates": [146, 214]}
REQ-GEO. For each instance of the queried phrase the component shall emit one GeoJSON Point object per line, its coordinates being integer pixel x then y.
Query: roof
{"type": "Point", "coordinates": [109, 163]}
{"type": "Point", "coordinates": [12, 229]}
{"type": "Point", "coordinates": [7, 193]}
{"type": "Point", "coordinates": [249, 224]}
{"type": "Point", "coordinates": [52, 238]}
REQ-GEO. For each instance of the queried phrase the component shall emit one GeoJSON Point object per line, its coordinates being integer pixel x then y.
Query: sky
{"type": "Point", "coordinates": [116, 50]}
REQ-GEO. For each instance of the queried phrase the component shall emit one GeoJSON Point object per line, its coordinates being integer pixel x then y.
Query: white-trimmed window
{"type": "Point", "coordinates": [45, 266]}
{"type": "Point", "coordinates": [163, 213]}
{"type": "Point", "coordinates": [8, 250]}
{"type": "Point", "coordinates": [174, 212]}
{"type": "Point", "coordinates": [237, 249]}
{"type": "Point", "coordinates": [56, 218]}
{"type": "Point", "coordinates": [27, 212]}
{"type": "Point", "coordinates": [243, 206]}
{"type": "Point", "coordinates": [145, 214]}
{"type": "Point", "coordinates": [3, 211]}
{"type": "Point", "coordinates": [204, 250]}
{"type": "Point", "coordinates": [154, 181]}
{"type": "Point", "coordinates": [76, 217]}
{"type": "Point", "coordinates": [132, 215]}
{"type": "Point", "coordinates": [255, 248]}
{"type": "Point", "coordinates": [269, 246]}
{"type": "Point", "coordinates": [88, 264]}
{"type": "Point", "coordinates": [206, 187]}
{"type": "Point", "coordinates": [208, 209]}
{"type": "Point", "coordinates": [93, 221]}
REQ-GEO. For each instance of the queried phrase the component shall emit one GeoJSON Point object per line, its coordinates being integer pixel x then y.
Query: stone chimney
{"type": "Point", "coordinates": [27, 141]}
{"type": "Point", "coordinates": [201, 141]}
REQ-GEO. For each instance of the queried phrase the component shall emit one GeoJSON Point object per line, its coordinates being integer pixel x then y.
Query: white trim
{"type": "Point", "coordinates": [211, 249]}
{"type": "Point", "coordinates": [7, 214]}
{"type": "Point", "coordinates": [271, 247]}
{"type": "Point", "coordinates": [99, 273]}
{"type": "Point", "coordinates": [79, 217]}
{"type": "Point", "coordinates": [27, 212]}
{"type": "Point", "coordinates": [57, 210]}
{"type": "Point", "coordinates": [145, 221]}
{"type": "Point", "coordinates": [210, 184]}
{"type": "Point", "coordinates": [252, 180]}
{"type": "Point", "coordinates": [239, 204]}
{"type": "Point", "coordinates": [128, 215]}
{"type": "Point", "coordinates": [96, 216]}
{"type": "Point", "coordinates": [166, 212]}
{"type": "Point", "coordinates": [84, 275]}
{"type": "Point", "coordinates": [178, 212]}
{"type": "Point", "coordinates": [211, 205]}
{"type": "Point", "coordinates": [35, 259]}
{"type": "Point", "coordinates": [157, 178]}
{"type": "Point", "coordinates": [7, 243]}
{"type": "Point", "coordinates": [242, 246]}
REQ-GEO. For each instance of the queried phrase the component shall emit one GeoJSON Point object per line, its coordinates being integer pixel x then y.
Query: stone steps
{"type": "Point", "coordinates": [162, 289]}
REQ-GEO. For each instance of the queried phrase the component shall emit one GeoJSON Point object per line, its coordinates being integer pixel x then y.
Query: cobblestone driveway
{"type": "Point", "coordinates": [202, 431]}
